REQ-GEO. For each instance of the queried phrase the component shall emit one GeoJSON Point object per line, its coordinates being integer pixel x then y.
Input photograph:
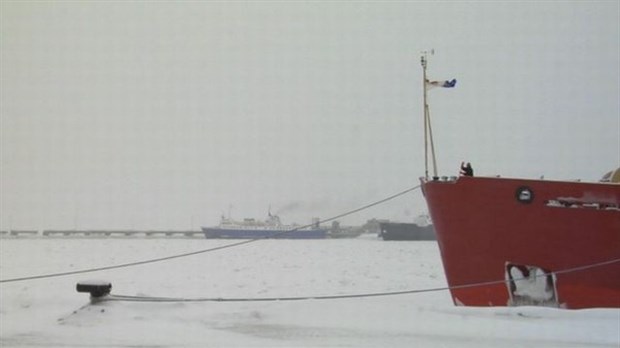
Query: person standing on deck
{"type": "Point", "coordinates": [466, 169]}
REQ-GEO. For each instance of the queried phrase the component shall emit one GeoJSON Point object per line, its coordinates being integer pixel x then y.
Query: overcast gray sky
{"type": "Point", "coordinates": [167, 114]}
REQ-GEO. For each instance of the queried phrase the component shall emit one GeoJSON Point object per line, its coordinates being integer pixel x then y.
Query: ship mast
{"type": "Point", "coordinates": [428, 130]}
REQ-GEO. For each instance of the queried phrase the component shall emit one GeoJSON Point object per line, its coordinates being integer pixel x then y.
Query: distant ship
{"type": "Point", "coordinates": [507, 242]}
{"type": "Point", "coordinates": [420, 229]}
{"type": "Point", "coordinates": [406, 231]}
{"type": "Point", "coordinates": [271, 228]}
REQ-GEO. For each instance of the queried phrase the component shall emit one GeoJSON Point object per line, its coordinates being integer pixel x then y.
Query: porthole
{"type": "Point", "coordinates": [524, 195]}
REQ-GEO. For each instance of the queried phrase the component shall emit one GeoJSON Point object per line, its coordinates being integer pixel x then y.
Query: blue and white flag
{"type": "Point", "coordinates": [444, 84]}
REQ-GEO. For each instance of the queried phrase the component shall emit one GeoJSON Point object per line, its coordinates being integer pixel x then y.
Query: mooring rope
{"type": "Point", "coordinates": [227, 246]}
{"type": "Point", "coordinates": [128, 298]}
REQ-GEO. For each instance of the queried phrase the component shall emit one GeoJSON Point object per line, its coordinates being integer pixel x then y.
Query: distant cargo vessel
{"type": "Point", "coordinates": [271, 228]}
{"type": "Point", "coordinates": [406, 231]}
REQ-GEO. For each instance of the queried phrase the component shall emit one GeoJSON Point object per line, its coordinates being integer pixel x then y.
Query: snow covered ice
{"type": "Point", "coordinates": [50, 313]}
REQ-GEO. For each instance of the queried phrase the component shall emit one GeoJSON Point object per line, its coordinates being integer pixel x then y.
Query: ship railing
{"type": "Point", "coordinates": [254, 228]}
{"type": "Point", "coordinates": [443, 178]}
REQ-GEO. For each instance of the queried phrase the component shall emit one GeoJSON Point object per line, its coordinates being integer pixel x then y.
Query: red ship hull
{"type": "Point", "coordinates": [533, 242]}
